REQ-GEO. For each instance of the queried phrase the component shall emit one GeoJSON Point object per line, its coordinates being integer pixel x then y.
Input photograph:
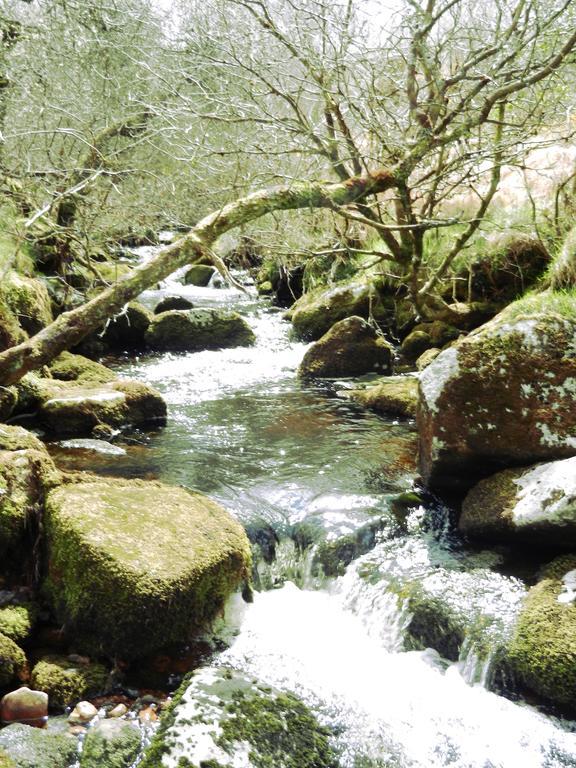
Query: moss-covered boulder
{"type": "Point", "coordinates": [69, 367]}
{"type": "Point", "coordinates": [503, 396]}
{"type": "Point", "coordinates": [427, 357]}
{"type": "Point", "coordinates": [67, 408]}
{"type": "Point", "coordinates": [199, 274]}
{"type": "Point", "coordinates": [13, 663]}
{"type": "Point", "coordinates": [543, 648]}
{"type": "Point", "coordinates": [350, 348]}
{"type": "Point", "coordinates": [135, 565]}
{"type": "Point", "coordinates": [30, 747]}
{"type": "Point", "coordinates": [29, 300]}
{"type": "Point", "coordinates": [219, 714]}
{"type": "Point", "coordinates": [534, 505]}
{"type": "Point", "coordinates": [391, 396]}
{"type": "Point", "coordinates": [16, 621]}
{"type": "Point", "coordinates": [66, 680]}
{"type": "Point", "coordinates": [425, 336]}
{"type": "Point", "coordinates": [26, 473]}
{"type": "Point", "coordinates": [111, 743]}
{"type": "Point", "coordinates": [198, 329]}
{"type": "Point", "coordinates": [10, 331]}
{"type": "Point", "coordinates": [317, 311]}
{"type": "Point", "coordinates": [172, 302]}
{"type": "Point", "coordinates": [127, 330]}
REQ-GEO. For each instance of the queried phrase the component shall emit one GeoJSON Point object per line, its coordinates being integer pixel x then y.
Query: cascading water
{"type": "Point", "coordinates": [294, 463]}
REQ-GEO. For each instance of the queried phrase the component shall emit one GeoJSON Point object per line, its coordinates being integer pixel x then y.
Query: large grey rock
{"type": "Point", "coordinates": [533, 505]}
{"type": "Point", "coordinates": [198, 329]}
{"type": "Point", "coordinates": [220, 715]}
{"type": "Point", "coordinates": [503, 396]}
{"type": "Point", "coordinates": [350, 348]}
{"type": "Point", "coordinates": [30, 747]}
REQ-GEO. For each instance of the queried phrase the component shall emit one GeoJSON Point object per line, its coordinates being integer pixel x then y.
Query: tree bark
{"type": "Point", "coordinates": [70, 327]}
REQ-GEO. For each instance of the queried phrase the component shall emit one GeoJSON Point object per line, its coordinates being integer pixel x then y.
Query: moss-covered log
{"type": "Point", "coordinates": [71, 327]}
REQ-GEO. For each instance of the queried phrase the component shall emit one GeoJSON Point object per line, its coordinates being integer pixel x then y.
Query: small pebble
{"type": "Point", "coordinates": [82, 713]}
{"type": "Point", "coordinates": [118, 711]}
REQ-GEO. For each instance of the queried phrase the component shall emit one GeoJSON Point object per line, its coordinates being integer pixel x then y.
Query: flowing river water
{"type": "Point", "coordinates": [301, 466]}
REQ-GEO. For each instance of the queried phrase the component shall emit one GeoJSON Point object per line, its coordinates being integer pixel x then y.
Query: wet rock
{"type": "Point", "coordinates": [127, 330]}
{"type": "Point", "coordinates": [317, 311]}
{"type": "Point", "coordinates": [199, 329]}
{"type": "Point", "coordinates": [69, 367]}
{"type": "Point", "coordinates": [532, 505]}
{"type": "Point", "coordinates": [503, 396]}
{"type": "Point", "coordinates": [542, 650]}
{"type": "Point", "coordinates": [111, 743]}
{"type": "Point", "coordinates": [218, 715]}
{"type": "Point", "coordinates": [70, 409]}
{"type": "Point", "coordinates": [30, 747]}
{"type": "Point", "coordinates": [136, 565]}
{"type": "Point", "coordinates": [427, 357]}
{"type": "Point", "coordinates": [172, 302]}
{"type": "Point", "coordinates": [391, 396]}
{"type": "Point", "coordinates": [16, 621]}
{"type": "Point", "coordinates": [25, 706]}
{"type": "Point", "coordinates": [66, 681]}
{"type": "Point", "coordinates": [350, 348]}
{"type": "Point", "coordinates": [199, 275]}
{"type": "Point", "coordinates": [83, 713]}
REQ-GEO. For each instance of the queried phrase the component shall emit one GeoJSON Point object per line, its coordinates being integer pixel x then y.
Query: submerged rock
{"type": "Point", "coordinates": [220, 716]}
{"type": "Point", "coordinates": [317, 311]}
{"type": "Point", "coordinates": [111, 743]}
{"type": "Point", "coordinates": [30, 747]}
{"type": "Point", "coordinates": [391, 396]}
{"type": "Point", "coordinates": [172, 302]}
{"type": "Point", "coordinates": [350, 348]}
{"type": "Point", "coordinates": [542, 651]}
{"type": "Point", "coordinates": [198, 329]}
{"type": "Point", "coordinates": [503, 396]}
{"type": "Point", "coordinates": [533, 505]}
{"type": "Point", "coordinates": [66, 680]}
{"type": "Point", "coordinates": [136, 565]}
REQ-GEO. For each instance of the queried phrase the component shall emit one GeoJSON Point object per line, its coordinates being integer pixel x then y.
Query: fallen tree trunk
{"type": "Point", "coordinates": [71, 327]}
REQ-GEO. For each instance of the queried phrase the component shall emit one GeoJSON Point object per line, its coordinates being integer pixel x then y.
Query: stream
{"type": "Point", "coordinates": [302, 467]}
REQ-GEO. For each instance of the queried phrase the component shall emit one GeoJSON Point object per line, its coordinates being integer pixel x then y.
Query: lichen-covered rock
{"type": "Point", "coordinates": [12, 661]}
{"type": "Point", "coordinates": [26, 473]}
{"type": "Point", "coordinates": [136, 565]}
{"type": "Point", "coordinates": [30, 747]}
{"type": "Point", "coordinates": [172, 302]}
{"type": "Point", "coordinates": [533, 505]}
{"type": "Point", "coordinates": [29, 300]}
{"type": "Point", "coordinates": [317, 311]}
{"type": "Point", "coordinates": [219, 714]}
{"type": "Point", "coordinates": [111, 743]}
{"type": "Point", "coordinates": [16, 621]}
{"type": "Point", "coordinates": [127, 330]}
{"type": "Point", "coordinates": [66, 680]}
{"type": "Point", "coordinates": [391, 396]}
{"type": "Point", "coordinates": [69, 367]}
{"type": "Point", "coordinates": [198, 329]}
{"type": "Point", "coordinates": [199, 274]}
{"type": "Point", "coordinates": [543, 651]}
{"type": "Point", "coordinates": [350, 348]}
{"type": "Point", "coordinates": [72, 409]}
{"type": "Point", "coordinates": [503, 396]}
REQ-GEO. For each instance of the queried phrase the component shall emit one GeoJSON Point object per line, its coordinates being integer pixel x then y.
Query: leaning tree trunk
{"type": "Point", "coordinates": [69, 328]}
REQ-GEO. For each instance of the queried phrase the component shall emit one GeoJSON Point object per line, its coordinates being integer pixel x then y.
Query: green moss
{"type": "Point", "coordinates": [391, 396]}
{"type": "Point", "coordinates": [280, 730]}
{"type": "Point", "coordinates": [29, 300]}
{"type": "Point", "coordinates": [69, 367]}
{"type": "Point", "coordinates": [6, 761]}
{"type": "Point", "coordinates": [543, 649]}
{"type": "Point", "coordinates": [38, 748]}
{"type": "Point", "coordinates": [12, 660]}
{"type": "Point", "coordinates": [16, 621]}
{"type": "Point", "coordinates": [111, 743]}
{"type": "Point", "coordinates": [135, 565]}
{"type": "Point", "coordinates": [66, 682]}
{"type": "Point", "coordinates": [561, 303]}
